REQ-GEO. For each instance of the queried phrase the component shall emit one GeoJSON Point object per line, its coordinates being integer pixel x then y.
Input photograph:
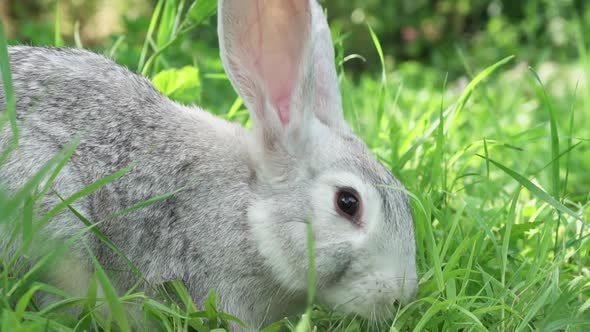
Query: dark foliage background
{"type": "Point", "coordinates": [443, 33]}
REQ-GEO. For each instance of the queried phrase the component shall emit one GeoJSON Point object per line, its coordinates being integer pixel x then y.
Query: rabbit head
{"type": "Point", "coordinates": [309, 165]}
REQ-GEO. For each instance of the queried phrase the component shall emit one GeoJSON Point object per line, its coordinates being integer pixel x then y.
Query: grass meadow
{"type": "Point", "coordinates": [497, 162]}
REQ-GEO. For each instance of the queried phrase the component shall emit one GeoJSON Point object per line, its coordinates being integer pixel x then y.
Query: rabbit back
{"type": "Point", "coordinates": [120, 119]}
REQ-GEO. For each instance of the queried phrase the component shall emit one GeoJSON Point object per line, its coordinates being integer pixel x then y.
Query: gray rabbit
{"type": "Point", "coordinates": [239, 224]}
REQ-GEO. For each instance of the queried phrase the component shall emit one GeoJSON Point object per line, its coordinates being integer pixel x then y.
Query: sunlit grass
{"type": "Point", "coordinates": [497, 170]}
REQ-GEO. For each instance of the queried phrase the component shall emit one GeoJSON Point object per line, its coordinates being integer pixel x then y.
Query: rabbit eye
{"type": "Point", "coordinates": [348, 203]}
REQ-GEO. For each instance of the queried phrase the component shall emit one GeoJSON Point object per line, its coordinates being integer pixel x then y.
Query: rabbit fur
{"type": "Point", "coordinates": [238, 224]}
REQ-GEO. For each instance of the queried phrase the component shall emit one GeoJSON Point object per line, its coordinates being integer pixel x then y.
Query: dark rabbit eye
{"type": "Point", "coordinates": [348, 203]}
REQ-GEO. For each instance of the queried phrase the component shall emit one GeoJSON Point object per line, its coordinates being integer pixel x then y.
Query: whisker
{"type": "Point", "coordinates": [346, 302]}
{"type": "Point", "coordinates": [390, 316]}
{"type": "Point", "coordinates": [338, 325]}
{"type": "Point", "coordinates": [354, 318]}
{"type": "Point", "coordinates": [267, 311]}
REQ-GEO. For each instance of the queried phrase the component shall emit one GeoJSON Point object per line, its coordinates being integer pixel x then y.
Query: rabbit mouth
{"type": "Point", "coordinates": [371, 297]}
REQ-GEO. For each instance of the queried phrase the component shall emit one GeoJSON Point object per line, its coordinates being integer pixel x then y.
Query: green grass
{"type": "Point", "coordinates": [497, 170]}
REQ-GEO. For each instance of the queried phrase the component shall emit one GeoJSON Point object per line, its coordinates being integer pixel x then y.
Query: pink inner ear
{"type": "Point", "coordinates": [283, 105]}
{"type": "Point", "coordinates": [284, 27]}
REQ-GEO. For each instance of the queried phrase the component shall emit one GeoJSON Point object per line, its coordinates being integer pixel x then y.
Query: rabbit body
{"type": "Point", "coordinates": [64, 94]}
{"type": "Point", "coordinates": [238, 223]}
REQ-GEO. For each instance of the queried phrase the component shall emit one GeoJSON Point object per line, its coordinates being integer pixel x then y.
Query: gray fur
{"type": "Point", "coordinates": [208, 234]}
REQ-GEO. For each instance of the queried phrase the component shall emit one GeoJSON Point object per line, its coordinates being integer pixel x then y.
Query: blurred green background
{"type": "Point", "coordinates": [433, 32]}
{"type": "Point", "coordinates": [484, 243]}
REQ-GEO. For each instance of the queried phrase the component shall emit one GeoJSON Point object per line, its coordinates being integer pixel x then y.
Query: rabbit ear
{"type": "Point", "coordinates": [279, 57]}
{"type": "Point", "coordinates": [328, 102]}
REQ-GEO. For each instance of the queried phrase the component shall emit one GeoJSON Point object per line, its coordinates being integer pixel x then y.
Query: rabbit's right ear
{"type": "Point", "coordinates": [262, 44]}
{"type": "Point", "coordinates": [278, 55]}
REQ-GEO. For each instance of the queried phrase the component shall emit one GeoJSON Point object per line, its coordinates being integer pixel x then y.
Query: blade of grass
{"type": "Point", "coordinates": [7, 84]}
{"type": "Point", "coordinates": [100, 235]}
{"type": "Point", "coordinates": [34, 181]}
{"type": "Point", "coordinates": [67, 155]}
{"type": "Point", "coordinates": [570, 144]}
{"type": "Point", "coordinates": [24, 301]}
{"type": "Point", "coordinates": [166, 23]}
{"type": "Point", "coordinates": [383, 89]}
{"type": "Point", "coordinates": [37, 268]}
{"type": "Point", "coordinates": [113, 49]}
{"type": "Point", "coordinates": [510, 220]}
{"type": "Point", "coordinates": [27, 223]}
{"type": "Point", "coordinates": [487, 154]}
{"type": "Point", "coordinates": [534, 308]}
{"type": "Point", "coordinates": [115, 305]}
{"type": "Point", "coordinates": [85, 316]}
{"type": "Point", "coordinates": [431, 244]}
{"type": "Point", "coordinates": [92, 226]}
{"type": "Point", "coordinates": [77, 38]}
{"type": "Point", "coordinates": [311, 264]}
{"type": "Point", "coordinates": [82, 193]}
{"type": "Point", "coordinates": [175, 33]}
{"type": "Point", "coordinates": [534, 189]}
{"type": "Point", "coordinates": [554, 138]}
{"type": "Point", "coordinates": [450, 111]}
{"type": "Point", "coordinates": [150, 32]}
{"type": "Point", "coordinates": [565, 153]}
{"type": "Point", "coordinates": [304, 324]}
{"type": "Point", "coordinates": [438, 159]}
{"type": "Point", "coordinates": [202, 10]}
{"type": "Point", "coordinates": [178, 19]}
{"type": "Point", "coordinates": [477, 80]}
{"type": "Point", "coordinates": [145, 203]}
{"type": "Point", "coordinates": [57, 40]}
{"type": "Point", "coordinates": [235, 107]}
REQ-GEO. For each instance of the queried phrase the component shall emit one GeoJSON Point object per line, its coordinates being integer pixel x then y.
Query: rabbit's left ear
{"type": "Point", "coordinates": [328, 102]}
{"type": "Point", "coordinates": [279, 57]}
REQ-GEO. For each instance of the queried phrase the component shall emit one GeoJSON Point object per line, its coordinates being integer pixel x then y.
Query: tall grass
{"type": "Point", "coordinates": [497, 170]}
